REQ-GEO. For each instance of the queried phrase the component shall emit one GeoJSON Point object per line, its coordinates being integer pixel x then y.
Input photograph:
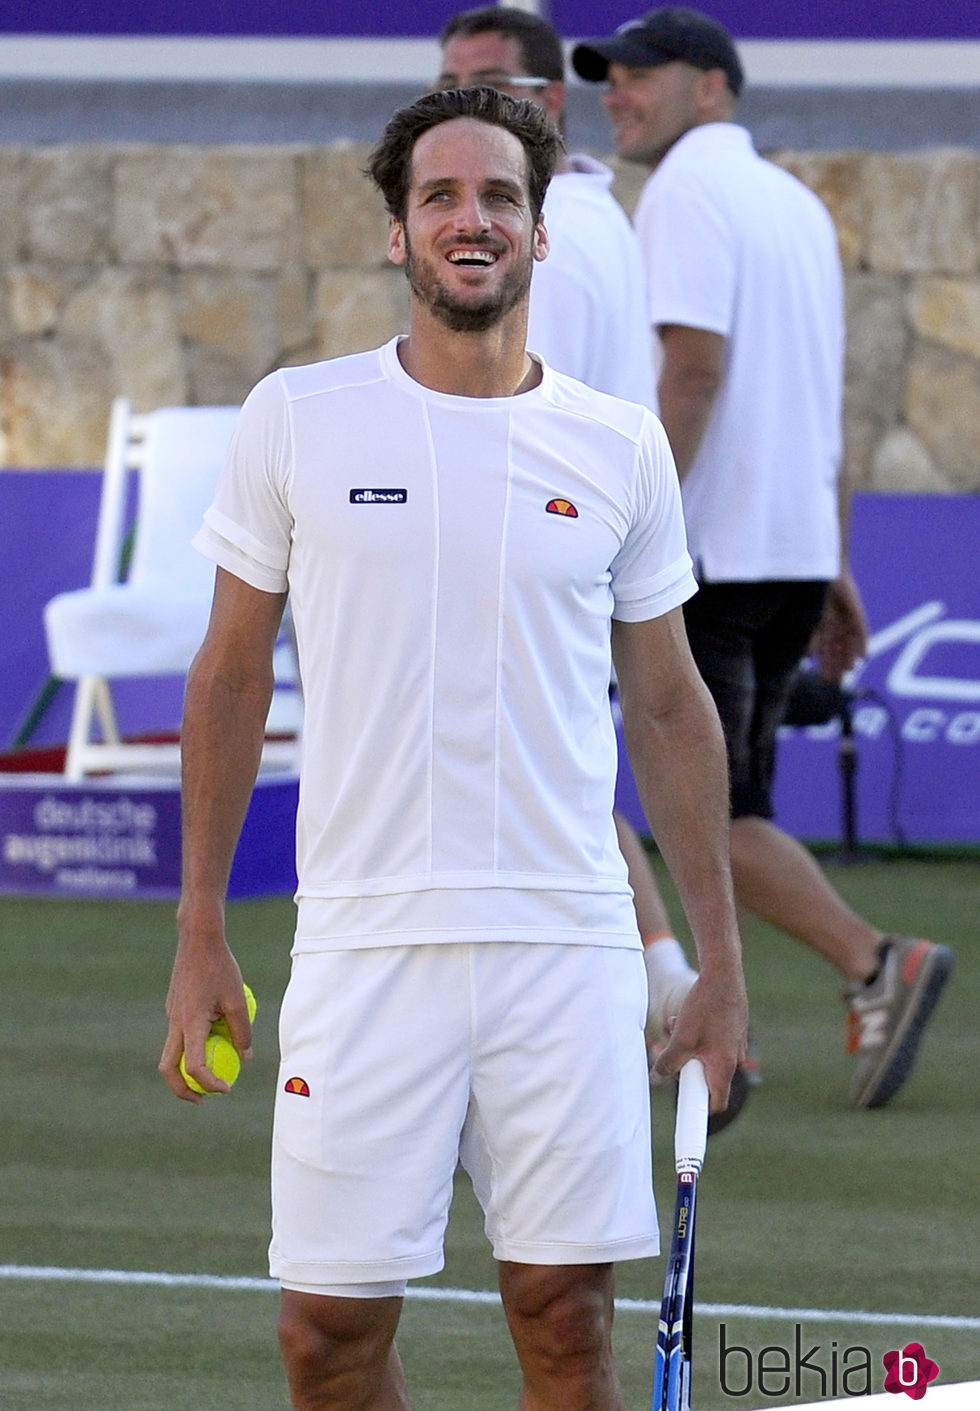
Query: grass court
{"type": "Point", "coordinates": [857, 1228]}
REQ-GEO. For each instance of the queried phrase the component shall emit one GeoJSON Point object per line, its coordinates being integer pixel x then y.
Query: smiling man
{"type": "Point", "coordinates": [467, 538]}
{"type": "Point", "coordinates": [487, 228]}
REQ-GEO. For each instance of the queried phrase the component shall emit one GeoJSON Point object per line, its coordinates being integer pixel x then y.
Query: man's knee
{"type": "Point", "coordinates": [343, 1342]}
{"type": "Point", "coordinates": [560, 1314]}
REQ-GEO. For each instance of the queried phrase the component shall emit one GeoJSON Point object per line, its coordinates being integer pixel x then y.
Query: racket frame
{"type": "Point", "coordinates": [672, 1365]}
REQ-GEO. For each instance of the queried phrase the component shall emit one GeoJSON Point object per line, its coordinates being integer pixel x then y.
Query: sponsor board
{"type": "Point", "coordinates": [119, 837]}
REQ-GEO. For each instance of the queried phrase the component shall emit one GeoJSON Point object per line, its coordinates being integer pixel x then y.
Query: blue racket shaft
{"type": "Point", "coordinates": [672, 1364]}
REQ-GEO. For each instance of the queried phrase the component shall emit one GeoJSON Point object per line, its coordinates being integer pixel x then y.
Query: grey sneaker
{"type": "Point", "coordinates": [886, 1016]}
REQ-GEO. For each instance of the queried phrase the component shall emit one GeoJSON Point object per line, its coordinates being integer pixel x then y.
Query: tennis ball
{"type": "Point", "coordinates": [221, 1057]}
{"type": "Point", "coordinates": [220, 1026]}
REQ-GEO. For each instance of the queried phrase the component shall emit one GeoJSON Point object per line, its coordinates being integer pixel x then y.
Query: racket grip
{"type": "Point", "coordinates": [691, 1125]}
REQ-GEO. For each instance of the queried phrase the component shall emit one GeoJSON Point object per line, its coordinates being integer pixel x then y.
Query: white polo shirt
{"type": "Point", "coordinates": [734, 245]}
{"type": "Point", "coordinates": [586, 316]}
{"type": "Point", "coordinates": [453, 565]}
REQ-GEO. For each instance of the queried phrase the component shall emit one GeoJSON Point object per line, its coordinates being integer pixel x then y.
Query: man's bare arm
{"type": "Point", "coordinates": [229, 688]}
{"type": "Point", "coordinates": [677, 755]}
{"type": "Point", "coordinates": [693, 365]}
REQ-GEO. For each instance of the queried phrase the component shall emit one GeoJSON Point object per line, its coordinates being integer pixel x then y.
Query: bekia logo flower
{"type": "Point", "coordinates": [910, 1371]}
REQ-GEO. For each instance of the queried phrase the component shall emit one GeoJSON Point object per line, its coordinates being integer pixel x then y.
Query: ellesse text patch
{"type": "Point", "coordinates": [378, 497]}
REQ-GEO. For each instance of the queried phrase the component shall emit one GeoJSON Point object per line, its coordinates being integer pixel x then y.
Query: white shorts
{"type": "Point", "coordinates": [524, 1061]}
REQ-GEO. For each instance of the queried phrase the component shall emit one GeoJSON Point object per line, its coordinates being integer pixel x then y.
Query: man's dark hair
{"type": "Point", "coordinates": [541, 49]}
{"type": "Point", "coordinates": [390, 164]}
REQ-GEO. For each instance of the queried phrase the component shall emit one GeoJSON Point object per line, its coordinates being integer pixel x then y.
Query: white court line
{"type": "Point", "coordinates": [426, 1294]}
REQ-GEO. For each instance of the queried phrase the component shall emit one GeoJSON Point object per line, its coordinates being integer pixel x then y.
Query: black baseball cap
{"type": "Point", "coordinates": [660, 37]}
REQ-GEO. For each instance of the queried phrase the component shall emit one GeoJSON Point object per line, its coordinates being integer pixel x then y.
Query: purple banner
{"type": "Point", "coordinates": [34, 566]}
{"type": "Point", "coordinates": [788, 19]}
{"type": "Point", "coordinates": [115, 838]}
{"type": "Point", "coordinates": [914, 703]}
{"type": "Point", "coordinates": [93, 840]}
{"type": "Point", "coordinates": [915, 711]}
{"type": "Point", "coordinates": [747, 19]}
{"type": "Point", "coordinates": [309, 18]}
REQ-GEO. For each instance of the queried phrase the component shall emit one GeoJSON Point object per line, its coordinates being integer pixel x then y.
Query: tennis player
{"type": "Point", "coordinates": [468, 539]}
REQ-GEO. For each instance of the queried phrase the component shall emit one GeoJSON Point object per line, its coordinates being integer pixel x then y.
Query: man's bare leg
{"type": "Point", "coordinates": [560, 1318]}
{"type": "Point", "coordinates": [339, 1353]}
{"type": "Point", "coordinates": [778, 879]}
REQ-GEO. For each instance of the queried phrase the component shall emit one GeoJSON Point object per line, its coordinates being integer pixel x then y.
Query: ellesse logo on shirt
{"type": "Point", "coordinates": [563, 507]}
{"type": "Point", "coordinates": [379, 497]}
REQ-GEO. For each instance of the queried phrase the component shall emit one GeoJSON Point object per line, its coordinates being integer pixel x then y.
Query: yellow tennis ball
{"type": "Point", "coordinates": [220, 1026]}
{"type": "Point", "coordinates": [252, 1004]}
{"type": "Point", "coordinates": [221, 1057]}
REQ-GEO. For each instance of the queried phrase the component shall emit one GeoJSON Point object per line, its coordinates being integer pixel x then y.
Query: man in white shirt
{"type": "Point", "coordinates": [585, 318]}
{"type": "Point", "coordinates": [467, 539]}
{"type": "Point", "coordinates": [744, 292]}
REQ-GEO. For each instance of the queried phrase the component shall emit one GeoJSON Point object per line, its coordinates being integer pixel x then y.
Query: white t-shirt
{"type": "Point", "coordinates": [587, 317]}
{"type": "Point", "coordinates": [453, 564]}
{"type": "Point", "coordinates": [734, 245]}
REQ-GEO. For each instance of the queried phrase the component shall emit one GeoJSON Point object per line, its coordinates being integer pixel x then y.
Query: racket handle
{"type": "Point", "coordinates": [691, 1125]}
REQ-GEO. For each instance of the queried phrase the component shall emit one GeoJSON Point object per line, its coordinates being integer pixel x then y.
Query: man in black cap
{"type": "Point", "coordinates": [744, 291]}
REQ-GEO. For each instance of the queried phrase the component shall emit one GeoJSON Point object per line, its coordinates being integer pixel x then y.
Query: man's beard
{"type": "Point", "coordinates": [460, 316]}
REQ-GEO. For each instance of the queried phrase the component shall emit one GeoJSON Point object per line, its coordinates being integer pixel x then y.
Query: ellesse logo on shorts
{"type": "Point", "coordinates": [379, 497]}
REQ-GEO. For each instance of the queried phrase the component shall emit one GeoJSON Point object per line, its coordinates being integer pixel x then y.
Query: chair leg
{"type": "Point", "coordinates": [92, 700]}
{"type": "Point", "coordinates": [106, 712]}
{"type": "Point", "coordinates": [81, 719]}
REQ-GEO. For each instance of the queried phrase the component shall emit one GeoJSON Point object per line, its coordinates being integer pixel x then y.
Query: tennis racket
{"type": "Point", "coordinates": [672, 1369]}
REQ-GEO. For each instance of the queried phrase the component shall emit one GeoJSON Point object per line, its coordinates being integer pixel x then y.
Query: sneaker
{"type": "Point", "coordinates": [751, 1064]}
{"type": "Point", "coordinates": [886, 1016]}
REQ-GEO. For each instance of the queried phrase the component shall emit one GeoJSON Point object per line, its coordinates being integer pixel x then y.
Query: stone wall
{"type": "Point", "coordinates": [182, 274]}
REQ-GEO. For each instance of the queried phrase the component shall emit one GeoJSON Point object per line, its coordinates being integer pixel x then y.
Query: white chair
{"type": "Point", "coordinates": [150, 622]}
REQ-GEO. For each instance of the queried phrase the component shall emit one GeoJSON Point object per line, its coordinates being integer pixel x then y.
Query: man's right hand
{"type": "Point", "coordinates": [712, 1026]}
{"type": "Point", "coordinates": [206, 985]}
